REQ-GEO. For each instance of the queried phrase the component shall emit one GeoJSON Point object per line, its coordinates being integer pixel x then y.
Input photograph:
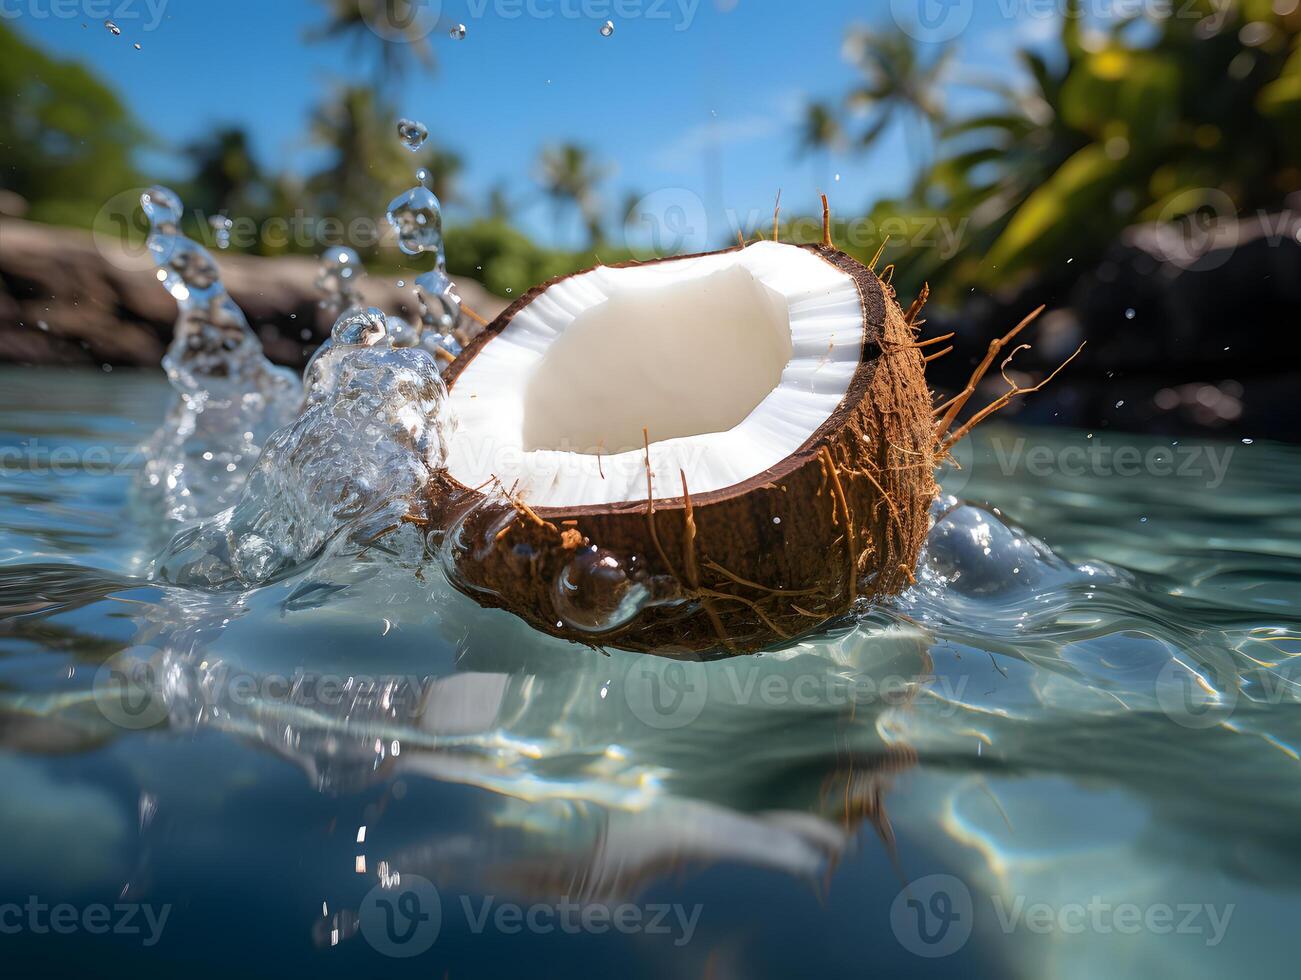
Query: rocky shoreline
{"type": "Point", "coordinates": [70, 297]}
{"type": "Point", "coordinates": [1185, 335]}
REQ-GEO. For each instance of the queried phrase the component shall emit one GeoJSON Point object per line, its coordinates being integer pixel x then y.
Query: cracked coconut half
{"type": "Point", "coordinates": [693, 456]}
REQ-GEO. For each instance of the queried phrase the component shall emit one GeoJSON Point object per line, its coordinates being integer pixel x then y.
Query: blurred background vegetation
{"type": "Point", "coordinates": [1132, 124]}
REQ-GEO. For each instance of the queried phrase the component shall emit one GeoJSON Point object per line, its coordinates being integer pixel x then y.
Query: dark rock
{"type": "Point", "coordinates": [69, 297]}
{"type": "Point", "coordinates": [1186, 333]}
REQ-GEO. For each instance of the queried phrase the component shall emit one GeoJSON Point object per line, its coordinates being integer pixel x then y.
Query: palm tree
{"type": "Point", "coordinates": [226, 175]}
{"type": "Point", "coordinates": [820, 134]}
{"type": "Point", "coordinates": [393, 31]}
{"type": "Point", "coordinates": [899, 83]}
{"type": "Point", "coordinates": [444, 168]}
{"type": "Point", "coordinates": [569, 178]}
{"type": "Point", "coordinates": [369, 164]}
{"type": "Point", "coordinates": [500, 206]}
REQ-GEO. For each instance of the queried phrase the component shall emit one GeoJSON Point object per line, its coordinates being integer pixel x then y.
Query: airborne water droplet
{"type": "Point", "coordinates": [136, 45]}
{"type": "Point", "coordinates": [412, 133]}
{"type": "Point", "coordinates": [457, 33]}
{"type": "Point", "coordinates": [221, 226]}
{"type": "Point", "coordinates": [1130, 313]}
{"type": "Point", "coordinates": [607, 28]}
{"type": "Point", "coordinates": [418, 220]}
{"type": "Point", "coordinates": [112, 28]}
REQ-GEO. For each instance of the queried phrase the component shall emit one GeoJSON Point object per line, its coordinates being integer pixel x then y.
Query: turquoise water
{"type": "Point", "coordinates": [1087, 729]}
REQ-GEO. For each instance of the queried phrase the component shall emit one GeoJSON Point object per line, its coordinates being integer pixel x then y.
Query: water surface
{"type": "Point", "coordinates": [1088, 721]}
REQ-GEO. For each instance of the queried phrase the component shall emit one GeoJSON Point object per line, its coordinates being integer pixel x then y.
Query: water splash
{"type": "Point", "coordinates": [341, 272]}
{"type": "Point", "coordinates": [230, 398]}
{"type": "Point", "coordinates": [457, 33]}
{"type": "Point", "coordinates": [440, 313]}
{"type": "Point", "coordinates": [113, 28]}
{"type": "Point", "coordinates": [351, 469]}
{"type": "Point", "coordinates": [607, 29]}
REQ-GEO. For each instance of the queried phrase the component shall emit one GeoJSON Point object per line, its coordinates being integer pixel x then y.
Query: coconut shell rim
{"type": "Point", "coordinates": [872, 303]}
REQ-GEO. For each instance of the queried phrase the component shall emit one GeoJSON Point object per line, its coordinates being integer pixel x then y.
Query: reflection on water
{"type": "Point", "coordinates": [1105, 722]}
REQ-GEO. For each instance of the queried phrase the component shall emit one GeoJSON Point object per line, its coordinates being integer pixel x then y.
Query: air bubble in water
{"type": "Point", "coordinates": [595, 594]}
{"type": "Point", "coordinates": [457, 33]}
{"type": "Point", "coordinates": [112, 28]}
{"type": "Point", "coordinates": [607, 28]}
{"type": "Point", "coordinates": [412, 133]}
{"type": "Point", "coordinates": [418, 219]}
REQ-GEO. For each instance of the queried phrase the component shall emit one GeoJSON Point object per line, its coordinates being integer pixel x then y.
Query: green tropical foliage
{"type": "Point", "coordinates": [66, 141]}
{"type": "Point", "coordinates": [1140, 122]}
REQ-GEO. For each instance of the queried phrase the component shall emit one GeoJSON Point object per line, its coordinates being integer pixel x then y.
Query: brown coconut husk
{"type": "Point", "coordinates": [841, 520]}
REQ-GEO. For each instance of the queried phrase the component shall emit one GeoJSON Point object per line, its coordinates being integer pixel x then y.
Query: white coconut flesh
{"type": "Point", "coordinates": [730, 362]}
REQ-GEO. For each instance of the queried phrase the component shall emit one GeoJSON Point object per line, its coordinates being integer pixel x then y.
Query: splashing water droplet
{"type": "Point", "coordinates": [112, 28]}
{"type": "Point", "coordinates": [221, 226]}
{"type": "Point", "coordinates": [356, 327]}
{"type": "Point", "coordinates": [360, 328]}
{"type": "Point", "coordinates": [402, 332]}
{"type": "Point", "coordinates": [418, 219]}
{"type": "Point", "coordinates": [457, 33]}
{"type": "Point", "coordinates": [229, 394]}
{"type": "Point", "coordinates": [340, 271]}
{"type": "Point", "coordinates": [607, 28]}
{"type": "Point", "coordinates": [137, 46]}
{"type": "Point", "coordinates": [440, 303]}
{"type": "Point", "coordinates": [161, 206]}
{"type": "Point", "coordinates": [423, 176]}
{"type": "Point", "coordinates": [1130, 313]}
{"type": "Point", "coordinates": [412, 133]}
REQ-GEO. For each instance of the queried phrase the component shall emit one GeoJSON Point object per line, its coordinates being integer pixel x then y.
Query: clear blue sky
{"type": "Point", "coordinates": [702, 95]}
